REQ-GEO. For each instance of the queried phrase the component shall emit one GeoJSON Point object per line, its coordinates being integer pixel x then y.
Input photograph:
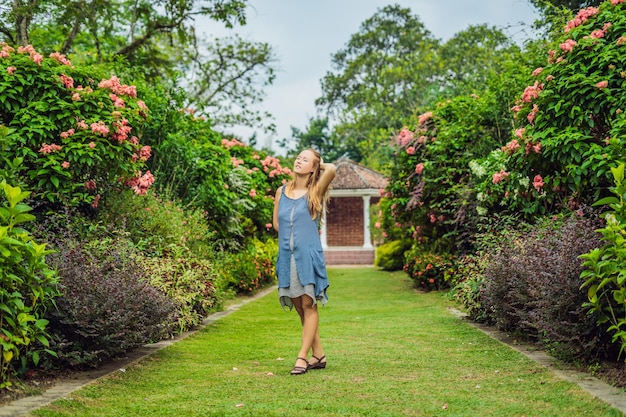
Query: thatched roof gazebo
{"type": "Point", "coordinates": [346, 235]}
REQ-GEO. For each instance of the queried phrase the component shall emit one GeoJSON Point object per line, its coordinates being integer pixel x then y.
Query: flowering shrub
{"type": "Point", "coordinates": [74, 133]}
{"type": "Point", "coordinates": [429, 194]}
{"type": "Point", "coordinates": [571, 123]}
{"type": "Point", "coordinates": [27, 286]}
{"type": "Point", "coordinates": [228, 180]}
{"type": "Point", "coordinates": [428, 270]}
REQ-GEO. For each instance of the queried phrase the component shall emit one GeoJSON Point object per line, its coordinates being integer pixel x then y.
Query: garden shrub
{"type": "Point", "coordinates": [74, 129]}
{"type": "Point", "coordinates": [470, 273]}
{"type": "Point", "coordinates": [532, 288]}
{"type": "Point", "coordinates": [192, 284]}
{"type": "Point", "coordinates": [390, 255]}
{"type": "Point", "coordinates": [106, 306]}
{"type": "Point", "coordinates": [428, 270]}
{"type": "Point", "coordinates": [571, 125]}
{"type": "Point", "coordinates": [28, 287]}
{"type": "Point", "coordinates": [605, 266]}
{"type": "Point", "coordinates": [157, 226]}
{"type": "Point", "coordinates": [252, 268]}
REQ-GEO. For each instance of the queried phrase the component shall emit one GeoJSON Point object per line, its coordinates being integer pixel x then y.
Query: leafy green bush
{"type": "Point", "coordinates": [107, 306]}
{"type": "Point", "coordinates": [27, 286]}
{"type": "Point", "coordinates": [157, 226]}
{"type": "Point", "coordinates": [605, 267]}
{"type": "Point", "coordinates": [74, 129]}
{"type": "Point", "coordinates": [192, 284]}
{"type": "Point", "coordinates": [252, 268]}
{"type": "Point", "coordinates": [470, 270]}
{"type": "Point", "coordinates": [429, 271]}
{"type": "Point", "coordinates": [390, 255]}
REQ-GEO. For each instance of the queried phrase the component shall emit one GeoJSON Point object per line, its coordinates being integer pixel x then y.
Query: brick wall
{"type": "Point", "coordinates": [344, 221]}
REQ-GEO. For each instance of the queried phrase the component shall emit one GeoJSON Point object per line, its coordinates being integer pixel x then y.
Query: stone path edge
{"type": "Point", "coordinates": [64, 387]}
{"type": "Point", "coordinates": [616, 397]}
{"type": "Point", "coordinates": [611, 395]}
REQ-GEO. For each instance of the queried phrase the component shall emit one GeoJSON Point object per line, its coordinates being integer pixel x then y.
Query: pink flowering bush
{"type": "Point", "coordinates": [571, 123]}
{"type": "Point", "coordinates": [430, 199]}
{"type": "Point", "coordinates": [429, 271]}
{"type": "Point", "coordinates": [70, 126]}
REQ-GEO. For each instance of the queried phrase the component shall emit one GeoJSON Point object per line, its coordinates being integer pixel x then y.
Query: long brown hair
{"type": "Point", "coordinates": [317, 205]}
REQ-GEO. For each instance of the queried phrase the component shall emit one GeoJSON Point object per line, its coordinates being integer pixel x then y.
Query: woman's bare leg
{"type": "Point", "coordinates": [309, 318]}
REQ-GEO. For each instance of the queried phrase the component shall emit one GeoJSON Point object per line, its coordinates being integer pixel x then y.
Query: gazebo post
{"type": "Point", "coordinates": [367, 238]}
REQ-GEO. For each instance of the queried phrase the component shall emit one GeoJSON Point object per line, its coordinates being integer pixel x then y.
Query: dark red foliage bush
{"type": "Point", "coordinates": [107, 306]}
{"type": "Point", "coordinates": [532, 288]}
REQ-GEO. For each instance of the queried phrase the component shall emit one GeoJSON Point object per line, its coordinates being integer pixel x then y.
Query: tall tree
{"type": "Point", "coordinates": [318, 135]}
{"type": "Point", "coordinates": [227, 81]}
{"type": "Point", "coordinates": [471, 56]}
{"type": "Point", "coordinates": [568, 4]}
{"type": "Point", "coordinates": [381, 77]}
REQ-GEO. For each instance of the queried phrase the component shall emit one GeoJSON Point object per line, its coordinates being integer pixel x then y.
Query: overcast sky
{"type": "Point", "coordinates": [305, 33]}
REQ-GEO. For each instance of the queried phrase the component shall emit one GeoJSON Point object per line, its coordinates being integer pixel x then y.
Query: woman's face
{"type": "Point", "coordinates": [305, 163]}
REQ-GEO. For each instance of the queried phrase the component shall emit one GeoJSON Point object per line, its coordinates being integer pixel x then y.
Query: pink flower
{"type": "Point", "coordinates": [404, 137]}
{"type": "Point", "coordinates": [537, 71]}
{"type": "Point", "coordinates": [268, 226]}
{"type": "Point", "coordinates": [46, 149]}
{"type": "Point", "coordinates": [516, 108]}
{"type": "Point", "coordinates": [533, 114]}
{"type": "Point", "coordinates": [499, 176]}
{"type": "Point", "coordinates": [423, 118]}
{"type": "Point", "coordinates": [410, 150]}
{"type": "Point", "coordinates": [568, 45]}
{"type": "Point", "coordinates": [520, 133]}
{"type": "Point", "coordinates": [549, 78]}
{"type": "Point", "coordinates": [511, 147]}
{"type": "Point", "coordinates": [582, 16]}
{"type": "Point", "coordinates": [252, 193]}
{"type": "Point", "coordinates": [117, 102]}
{"type": "Point", "coordinates": [532, 92]}
{"type": "Point", "coordinates": [92, 145]}
{"type": "Point", "coordinates": [538, 182]}
{"type": "Point", "coordinates": [377, 225]}
{"type": "Point", "coordinates": [419, 168]}
{"type": "Point", "coordinates": [602, 84]}
{"type": "Point", "coordinates": [90, 185]}
{"type": "Point", "coordinates": [616, 2]}
{"type": "Point", "coordinates": [76, 97]}
{"type": "Point", "coordinates": [144, 153]}
{"type": "Point", "coordinates": [11, 70]}
{"type": "Point", "coordinates": [60, 58]}
{"type": "Point", "coordinates": [94, 203]}
{"type": "Point", "coordinates": [100, 128]}
{"type": "Point", "coordinates": [65, 164]}
{"type": "Point", "coordinates": [68, 82]}
{"type": "Point", "coordinates": [82, 125]}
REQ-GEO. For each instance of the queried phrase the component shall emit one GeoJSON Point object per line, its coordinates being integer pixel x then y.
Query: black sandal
{"type": "Point", "coordinates": [319, 364]}
{"type": "Point", "coordinates": [299, 370]}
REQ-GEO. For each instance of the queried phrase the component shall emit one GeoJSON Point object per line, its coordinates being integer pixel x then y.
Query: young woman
{"type": "Point", "coordinates": [300, 267]}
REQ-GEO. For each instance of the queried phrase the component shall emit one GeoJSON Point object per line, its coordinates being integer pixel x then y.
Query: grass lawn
{"type": "Point", "coordinates": [391, 352]}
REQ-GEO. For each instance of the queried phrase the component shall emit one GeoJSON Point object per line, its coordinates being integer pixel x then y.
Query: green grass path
{"type": "Point", "coordinates": [391, 352]}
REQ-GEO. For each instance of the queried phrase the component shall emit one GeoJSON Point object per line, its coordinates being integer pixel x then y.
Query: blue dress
{"type": "Point", "coordinates": [300, 267]}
